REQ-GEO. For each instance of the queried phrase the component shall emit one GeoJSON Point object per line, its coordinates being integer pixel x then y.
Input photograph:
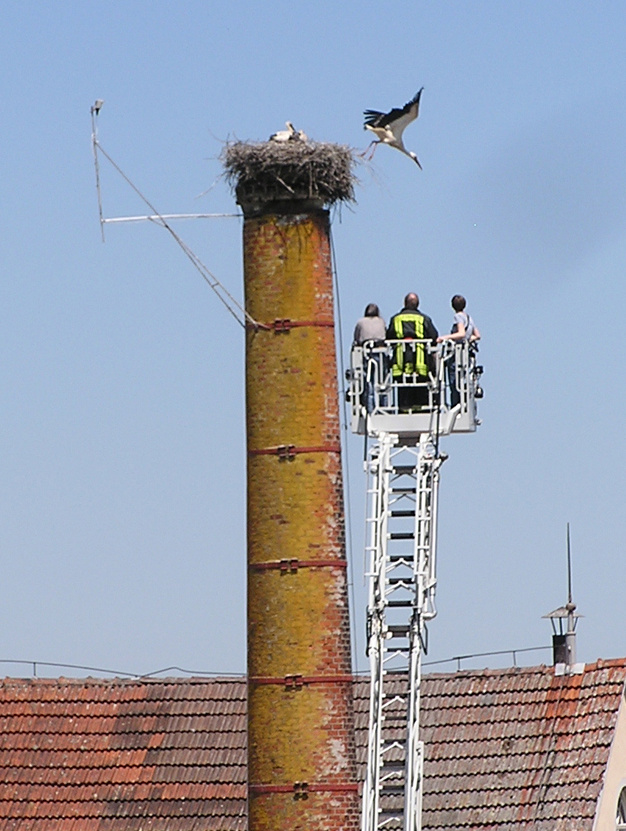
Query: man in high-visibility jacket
{"type": "Point", "coordinates": [411, 358]}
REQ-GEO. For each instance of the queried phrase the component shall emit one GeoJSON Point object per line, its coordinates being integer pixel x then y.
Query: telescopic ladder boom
{"type": "Point", "coordinates": [402, 522]}
{"type": "Point", "coordinates": [406, 416]}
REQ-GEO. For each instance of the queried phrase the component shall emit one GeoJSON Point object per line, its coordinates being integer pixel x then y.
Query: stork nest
{"type": "Point", "coordinates": [271, 171]}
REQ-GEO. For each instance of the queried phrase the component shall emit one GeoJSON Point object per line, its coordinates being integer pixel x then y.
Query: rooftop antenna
{"type": "Point", "coordinates": [155, 216]}
{"type": "Point", "coordinates": [95, 111]}
{"type": "Point", "coordinates": [234, 306]}
{"type": "Point", "coordinates": [569, 572]}
{"type": "Point", "coordinates": [564, 621]}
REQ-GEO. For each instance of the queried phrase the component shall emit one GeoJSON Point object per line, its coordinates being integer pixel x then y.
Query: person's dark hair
{"type": "Point", "coordinates": [372, 310]}
{"type": "Point", "coordinates": [458, 302]}
{"type": "Point", "coordinates": [411, 301]}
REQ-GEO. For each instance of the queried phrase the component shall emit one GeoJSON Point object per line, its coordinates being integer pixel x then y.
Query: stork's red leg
{"type": "Point", "coordinates": [365, 152]}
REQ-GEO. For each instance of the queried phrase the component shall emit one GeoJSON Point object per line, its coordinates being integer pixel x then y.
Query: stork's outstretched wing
{"type": "Point", "coordinates": [373, 118]}
{"type": "Point", "coordinates": [397, 119]}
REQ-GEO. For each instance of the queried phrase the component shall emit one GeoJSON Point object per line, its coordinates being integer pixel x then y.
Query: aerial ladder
{"type": "Point", "coordinates": [405, 416]}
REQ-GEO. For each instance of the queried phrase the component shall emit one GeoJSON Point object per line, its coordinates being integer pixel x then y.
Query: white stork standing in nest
{"type": "Point", "coordinates": [388, 127]}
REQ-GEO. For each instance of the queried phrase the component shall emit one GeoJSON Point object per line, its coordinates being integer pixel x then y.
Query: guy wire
{"type": "Point", "coordinates": [209, 278]}
{"type": "Point", "coordinates": [348, 509]}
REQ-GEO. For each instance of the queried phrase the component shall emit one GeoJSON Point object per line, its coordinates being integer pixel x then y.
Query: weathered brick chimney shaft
{"type": "Point", "coordinates": [301, 756]}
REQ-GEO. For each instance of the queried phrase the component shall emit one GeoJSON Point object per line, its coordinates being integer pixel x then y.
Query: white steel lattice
{"type": "Point", "coordinates": [402, 492]}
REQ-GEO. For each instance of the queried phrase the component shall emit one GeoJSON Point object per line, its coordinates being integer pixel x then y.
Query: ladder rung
{"type": "Point", "coordinates": [402, 470]}
{"type": "Point", "coordinates": [388, 790]}
{"type": "Point", "coordinates": [402, 535]}
{"type": "Point", "coordinates": [395, 779]}
{"type": "Point", "coordinates": [393, 822]}
{"type": "Point", "coordinates": [389, 705]}
{"type": "Point", "coordinates": [399, 558]}
{"type": "Point", "coordinates": [402, 513]}
{"type": "Point", "coordinates": [397, 745]}
{"type": "Point", "coordinates": [403, 490]}
{"type": "Point", "coordinates": [400, 604]}
{"type": "Point", "coordinates": [399, 631]}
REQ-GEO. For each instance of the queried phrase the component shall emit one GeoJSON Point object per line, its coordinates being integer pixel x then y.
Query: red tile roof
{"type": "Point", "coordinates": [516, 748]}
{"type": "Point", "coordinates": [503, 748]}
{"type": "Point", "coordinates": [113, 755]}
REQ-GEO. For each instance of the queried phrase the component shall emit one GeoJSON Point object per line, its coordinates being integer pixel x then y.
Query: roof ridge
{"type": "Point", "coordinates": [491, 671]}
{"type": "Point", "coordinates": [605, 663]}
{"type": "Point", "coordinates": [178, 680]}
{"type": "Point", "coordinates": [91, 680]}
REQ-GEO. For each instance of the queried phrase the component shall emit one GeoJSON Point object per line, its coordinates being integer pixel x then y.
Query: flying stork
{"type": "Point", "coordinates": [388, 127]}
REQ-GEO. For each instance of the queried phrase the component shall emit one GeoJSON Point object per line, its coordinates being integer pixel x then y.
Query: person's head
{"type": "Point", "coordinates": [458, 302]}
{"type": "Point", "coordinates": [372, 310]}
{"type": "Point", "coordinates": [411, 301]}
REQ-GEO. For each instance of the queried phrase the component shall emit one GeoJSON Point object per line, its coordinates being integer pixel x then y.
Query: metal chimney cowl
{"type": "Point", "coordinates": [564, 621]}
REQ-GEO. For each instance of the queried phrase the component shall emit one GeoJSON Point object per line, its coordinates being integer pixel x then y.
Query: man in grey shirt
{"type": "Point", "coordinates": [371, 327]}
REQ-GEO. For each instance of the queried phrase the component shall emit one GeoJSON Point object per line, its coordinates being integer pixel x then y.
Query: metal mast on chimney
{"type": "Point", "coordinates": [402, 466]}
{"type": "Point", "coordinates": [564, 621]}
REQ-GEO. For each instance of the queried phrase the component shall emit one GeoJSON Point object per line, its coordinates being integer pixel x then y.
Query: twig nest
{"type": "Point", "coordinates": [294, 174]}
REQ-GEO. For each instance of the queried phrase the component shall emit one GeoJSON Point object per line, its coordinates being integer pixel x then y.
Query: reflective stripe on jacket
{"type": "Point", "coordinates": [410, 357]}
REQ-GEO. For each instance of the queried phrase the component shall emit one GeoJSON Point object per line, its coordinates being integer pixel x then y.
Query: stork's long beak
{"type": "Point", "coordinates": [416, 160]}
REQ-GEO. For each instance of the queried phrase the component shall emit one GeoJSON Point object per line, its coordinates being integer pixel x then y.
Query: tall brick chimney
{"type": "Point", "coordinates": [301, 756]}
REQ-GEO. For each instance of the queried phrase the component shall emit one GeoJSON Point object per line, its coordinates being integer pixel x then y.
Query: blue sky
{"type": "Point", "coordinates": [122, 486]}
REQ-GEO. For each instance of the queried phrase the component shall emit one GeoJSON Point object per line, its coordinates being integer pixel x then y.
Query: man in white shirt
{"type": "Point", "coordinates": [463, 329]}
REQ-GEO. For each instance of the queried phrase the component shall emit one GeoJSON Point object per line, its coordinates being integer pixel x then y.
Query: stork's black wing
{"type": "Point", "coordinates": [411, 109]}
{"type": "Point", "coordinates": [373, 118]}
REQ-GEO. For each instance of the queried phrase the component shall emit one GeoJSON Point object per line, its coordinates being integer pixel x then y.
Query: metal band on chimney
{"type": "Point", "coordinates": [302, 789]}
{"type": "Point", "coordinates": [288, 452]}
{"type": "Point", "coordinates": [292, 565]}
{"type": "Point", "coordinates": [297, 682]}
{"type": "Point", "coordinates": [283, 325]}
